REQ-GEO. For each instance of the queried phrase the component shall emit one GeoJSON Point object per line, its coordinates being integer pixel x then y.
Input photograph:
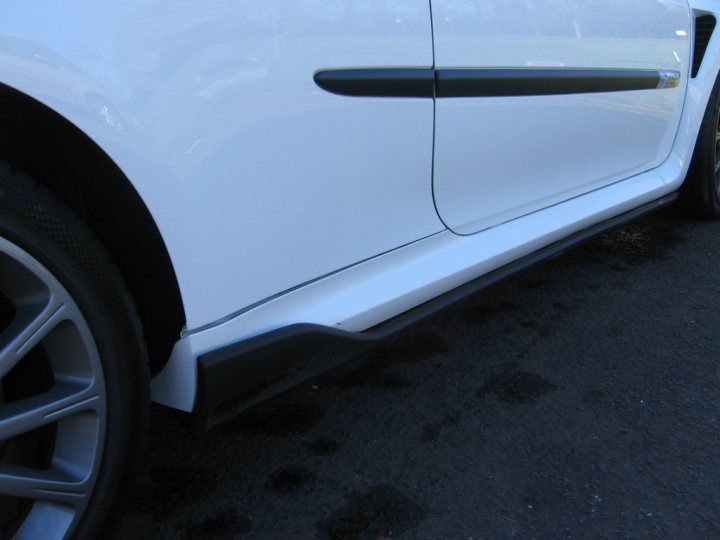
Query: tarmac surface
{"type": "Point", "coordinates": [580, 399]}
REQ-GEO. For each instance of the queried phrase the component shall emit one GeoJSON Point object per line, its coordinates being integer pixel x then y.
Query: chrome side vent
{"type": "Point", "coordinates": [704, 27]}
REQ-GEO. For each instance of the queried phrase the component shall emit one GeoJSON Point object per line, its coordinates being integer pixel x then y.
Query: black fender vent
{"type": "Point", "coordinates": [704, 27]}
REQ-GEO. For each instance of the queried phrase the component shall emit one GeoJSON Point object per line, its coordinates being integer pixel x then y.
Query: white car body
{"type": "Point", "coordinates": [281, 203]}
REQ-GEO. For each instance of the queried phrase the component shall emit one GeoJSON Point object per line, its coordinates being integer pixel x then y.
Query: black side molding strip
{"type": "Point", "coordinates": [541, 82]}
{"type": "Point", "coordinates": [378, 82]}
{"type": "Point", "coordinates": [449, 83]}
{"type": "Point", "coordinates": [240, 375]}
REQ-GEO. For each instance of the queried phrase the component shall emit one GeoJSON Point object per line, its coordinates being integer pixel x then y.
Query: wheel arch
{"type": "Point", "coordinates": [57, 154]}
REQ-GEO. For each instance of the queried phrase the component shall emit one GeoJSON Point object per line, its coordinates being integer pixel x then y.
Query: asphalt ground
{"type": "Point", "coordinates": [580, 399]}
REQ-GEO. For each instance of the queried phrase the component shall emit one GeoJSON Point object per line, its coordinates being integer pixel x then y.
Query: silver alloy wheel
{"type": "Point", "coordinates": [46, 498]}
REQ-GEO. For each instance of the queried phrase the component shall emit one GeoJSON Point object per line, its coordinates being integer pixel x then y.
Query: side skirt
{"type": "Point", "coordinates": [238, 376]}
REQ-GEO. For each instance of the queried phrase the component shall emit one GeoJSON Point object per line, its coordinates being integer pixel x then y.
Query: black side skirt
{"type": "Point", "coordinates": [238, 376]}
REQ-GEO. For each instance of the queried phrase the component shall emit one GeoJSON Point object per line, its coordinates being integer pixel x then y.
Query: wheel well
{"type": "Point", "coordinates": [40, 142]}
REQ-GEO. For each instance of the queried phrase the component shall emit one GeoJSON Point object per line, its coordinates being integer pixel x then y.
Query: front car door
{"type": "Point", "coordinates": [539, 101]}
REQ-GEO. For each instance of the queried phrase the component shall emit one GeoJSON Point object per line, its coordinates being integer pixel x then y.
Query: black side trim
{"type": "Point", "coordinates": [377, 82]}
{"type": "Point", "coordinates": [449, 83]}
{"type": "Point", "coordinates": [704, 28]}
{"type": "Point", "coordinates": [540, 81]}
{"type": "Point", "coordinates": [238, 376]}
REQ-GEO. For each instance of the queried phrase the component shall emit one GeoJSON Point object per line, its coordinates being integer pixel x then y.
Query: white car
{"type": "Point", "coordinates": [203, 203]}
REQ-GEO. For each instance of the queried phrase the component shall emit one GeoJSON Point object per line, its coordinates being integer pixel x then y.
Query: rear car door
{"type": "Point", "coordinates": [539, 101]}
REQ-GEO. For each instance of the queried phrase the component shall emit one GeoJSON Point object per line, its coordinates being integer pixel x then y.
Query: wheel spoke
{"type": "Point", "coordinates": [64, 399]}
{"type": "Point", "coordinates": [26, 331]}
{"type": "Point", "coordinates": [45, 485]}
{"type": "Point", "coordinates": [53, 403]}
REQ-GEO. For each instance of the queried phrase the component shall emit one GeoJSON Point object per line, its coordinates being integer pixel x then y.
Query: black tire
{"type": "Point", "coordinates": [700, 193]}
{"type": "Point", "coordinates": [107, 339]}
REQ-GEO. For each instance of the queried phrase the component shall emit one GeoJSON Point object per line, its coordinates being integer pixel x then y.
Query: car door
{"type": "Point", "coordinates": [539, 101]}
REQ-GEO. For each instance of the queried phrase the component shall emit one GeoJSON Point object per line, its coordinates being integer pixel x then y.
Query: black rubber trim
{"type": "Point", "coordinates": [235, 377]}
{"type": "Point", "coordinates": [378, 82]}
{"type": "Point", "coordinates": [540, 82]}
{"type": "Point", "coordinates": [449, 83]}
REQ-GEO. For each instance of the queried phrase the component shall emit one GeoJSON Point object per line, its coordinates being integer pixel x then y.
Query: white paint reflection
{"type": "Point", "coordinates": [611, 33]}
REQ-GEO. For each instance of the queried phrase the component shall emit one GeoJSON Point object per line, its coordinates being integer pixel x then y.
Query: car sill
{"type": "Point", "coordinates": [238, 376]}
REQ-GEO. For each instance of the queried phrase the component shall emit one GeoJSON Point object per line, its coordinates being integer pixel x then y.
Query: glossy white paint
{"type": "Point", "coordinates": [558, 33]}
{"type": "Point", "coordinates": [367, 294]}
{"type": "Point", "coordinates": [258, 180]}
{"type": "Point", "coordinates": [500, 158]}
{"type": "Point", "coordinates": [376, 290]}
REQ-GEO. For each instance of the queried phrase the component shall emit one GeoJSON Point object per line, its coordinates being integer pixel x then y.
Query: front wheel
{"type": "Point", "coordinates": [700, 193]}
{"type": "Point", "coordinates": [73, 376]}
